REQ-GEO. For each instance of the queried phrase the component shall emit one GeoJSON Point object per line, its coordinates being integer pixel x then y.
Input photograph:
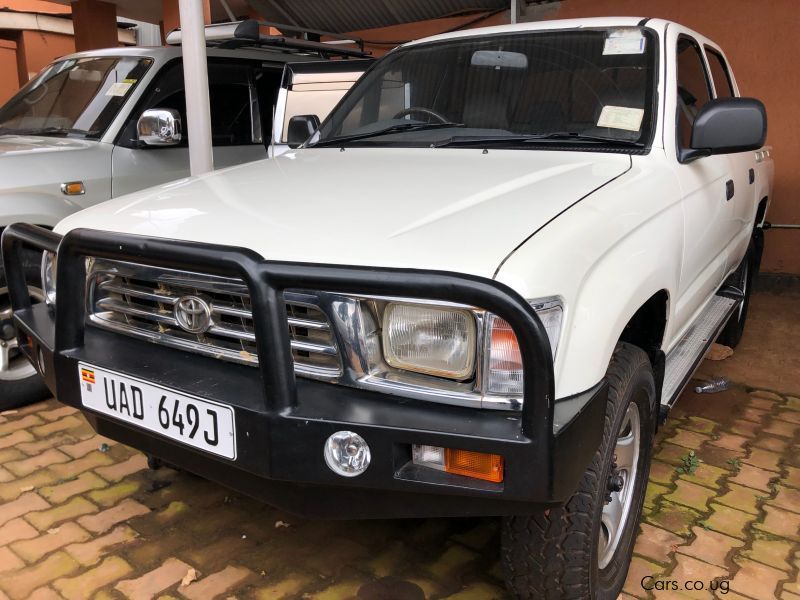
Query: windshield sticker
{"type": "Point", "coordinates": [131, 81]}
{"type": "Point", "coordinates": [621, 117]}
{"type": "Point", "coordinates": [624, 42]}
{"type": "Point", "coordinates": [118, 89]}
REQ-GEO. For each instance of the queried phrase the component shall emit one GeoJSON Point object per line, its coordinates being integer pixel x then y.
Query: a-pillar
{"type": "Point", "coordinates": [95, 24]}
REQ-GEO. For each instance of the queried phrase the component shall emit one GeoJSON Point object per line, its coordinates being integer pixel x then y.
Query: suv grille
{"type": "Point", "coordinates": [141, 301]}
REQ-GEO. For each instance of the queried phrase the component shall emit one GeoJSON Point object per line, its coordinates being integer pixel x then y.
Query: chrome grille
{"type": "Point", "coordinates": [140, 301]}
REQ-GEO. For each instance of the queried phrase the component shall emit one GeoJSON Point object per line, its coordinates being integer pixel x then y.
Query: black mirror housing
{"type": "Point", "coordinates": [301, 127]}
{"type": "Point", "coordinates": [729, 125]}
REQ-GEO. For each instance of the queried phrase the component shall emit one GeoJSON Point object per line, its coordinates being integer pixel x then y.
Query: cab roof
{"type": "Point", "coordinates": [544, 26]}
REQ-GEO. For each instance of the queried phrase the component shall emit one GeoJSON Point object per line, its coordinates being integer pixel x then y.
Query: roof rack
{"type": "Point", "coordinates": [247, 34]}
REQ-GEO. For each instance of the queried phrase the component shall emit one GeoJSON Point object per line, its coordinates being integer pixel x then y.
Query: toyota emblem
{"type": "Point", "coordinates": [193, 314]}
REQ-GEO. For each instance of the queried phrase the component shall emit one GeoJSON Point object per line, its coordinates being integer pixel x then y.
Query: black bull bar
{"type": "Point", "coordinates": [546, 446]}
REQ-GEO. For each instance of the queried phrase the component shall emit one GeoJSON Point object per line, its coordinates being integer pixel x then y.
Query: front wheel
{"type": "Point", "coordinates": [583, 548]}
{"type": "Point", "coordinates": [20, 384]}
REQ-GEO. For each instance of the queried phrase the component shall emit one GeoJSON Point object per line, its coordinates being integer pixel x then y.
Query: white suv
{"type": "Point", "coordinates": [506, 253]}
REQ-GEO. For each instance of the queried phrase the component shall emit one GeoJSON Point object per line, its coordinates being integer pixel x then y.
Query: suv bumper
{"type": "Point", "coordinates": [282, 422]}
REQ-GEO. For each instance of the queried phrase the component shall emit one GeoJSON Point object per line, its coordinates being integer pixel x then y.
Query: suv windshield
{"type": "Point", "coordinates": [77, 97]}
{"type": "Point", "coordinates": [583, 87]}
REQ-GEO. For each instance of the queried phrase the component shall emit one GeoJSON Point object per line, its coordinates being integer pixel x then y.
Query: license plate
{"type": "Point", "coordinates": [193, 421]}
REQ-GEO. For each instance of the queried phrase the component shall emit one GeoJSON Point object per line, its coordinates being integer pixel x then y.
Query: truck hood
{"type": "Point", "coordinates": [461, 210]}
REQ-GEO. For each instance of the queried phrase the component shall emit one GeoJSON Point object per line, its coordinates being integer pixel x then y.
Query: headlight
{"type": "Point", "coordinates": [504, 360]}
{"type": "Point", "coordinates": [432, 340]}
{"type": "Point", "coordinates": [49, 277]}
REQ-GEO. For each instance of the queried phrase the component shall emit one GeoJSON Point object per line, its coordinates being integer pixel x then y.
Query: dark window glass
{"type": "Point", "coordinates": [720, 74]}
{"type": "Point", "coordinates": [591, 82]}
{"type": "Point", "coordinates": [693, 87]}
{"type": "Point", "coordinates": [230, 102]}
{"type": "Point", "coordinates": [75, 97]}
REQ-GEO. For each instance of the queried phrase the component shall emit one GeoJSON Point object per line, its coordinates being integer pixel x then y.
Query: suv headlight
{"type": "Point", "coordinates": [431, 340]}
{"type": "Point", "coordinates": [446, 348]}
{"type": "Point", "coordinates": [49, 277]}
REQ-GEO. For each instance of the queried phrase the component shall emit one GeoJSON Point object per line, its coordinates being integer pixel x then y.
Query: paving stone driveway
{"type": "Point", "coordinates": [82, 516]}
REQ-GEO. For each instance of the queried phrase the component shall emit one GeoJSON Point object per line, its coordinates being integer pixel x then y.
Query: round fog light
{"type": "Point", "coordinates": [347, 454]}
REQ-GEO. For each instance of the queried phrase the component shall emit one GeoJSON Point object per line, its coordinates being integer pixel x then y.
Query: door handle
{"type": "Point", "coordinates": [752, 176]}
{"type": "Point", "coordinates": [729, 190]}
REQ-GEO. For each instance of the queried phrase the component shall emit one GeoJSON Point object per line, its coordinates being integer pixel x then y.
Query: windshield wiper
{"type": "Point", "coordinates": [335, 141]}
{"type": "Point", "coordinates": [554, 136]}
{"type": "Point", "coordinates": [46, 131]}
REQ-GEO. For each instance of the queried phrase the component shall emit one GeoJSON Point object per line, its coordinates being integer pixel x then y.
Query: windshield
{"type": "Point", "coordinates": [76, 97]}
{"type": "Point", "coordinates": [577, 87]}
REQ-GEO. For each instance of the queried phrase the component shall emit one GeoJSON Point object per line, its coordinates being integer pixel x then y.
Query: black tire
{"type": "Point", "coordinates": [29, 389]}
{"type": "Point", "coordinates": [556, 554]}
{"type": "Point", "coordinates": [742, 280]}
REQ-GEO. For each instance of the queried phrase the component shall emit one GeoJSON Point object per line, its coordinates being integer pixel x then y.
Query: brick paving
{"type": "Point", "coordinates": [82, 516]}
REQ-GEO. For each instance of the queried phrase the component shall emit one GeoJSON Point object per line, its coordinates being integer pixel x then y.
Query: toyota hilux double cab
{"type": "Point", "coordinates": [508, 251]}
{"type": "Point", "coordinates": [101, 124]}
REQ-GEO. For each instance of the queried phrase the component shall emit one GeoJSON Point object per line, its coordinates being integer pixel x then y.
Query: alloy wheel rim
{"type": "Point", "coordinates": [13, 364]}
{"type": "Point", "coordinates": [620, 486]}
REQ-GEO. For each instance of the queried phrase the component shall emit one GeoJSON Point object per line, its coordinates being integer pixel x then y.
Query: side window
{"type": "Point", "coordinates": [694, 89]}
{"type": "Point", "coordinates": [720, 74]}
{"type": "Point", "coordinates": [232, 105]}
{"type": "Point", "coordinates": [231, 97]}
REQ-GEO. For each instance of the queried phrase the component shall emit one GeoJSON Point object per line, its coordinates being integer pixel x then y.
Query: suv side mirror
{"type": "Point", "coordinates": [301, 127]}
{"type": "Point", "coordinates": [727, 126]}
{"type": "Point", "coordinates": [159, 127]}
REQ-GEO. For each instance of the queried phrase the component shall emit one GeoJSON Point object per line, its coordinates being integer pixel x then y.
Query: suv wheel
{"type": "Point", "coordinates": [583, 548]}
{"type": "Point", "coordinates": [19, 382]}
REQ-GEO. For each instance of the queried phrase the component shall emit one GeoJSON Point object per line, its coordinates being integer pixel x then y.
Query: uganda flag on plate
{"type": "Point", "coordinates": [88, 376]}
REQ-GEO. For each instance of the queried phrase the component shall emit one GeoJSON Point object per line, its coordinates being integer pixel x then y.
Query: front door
{"type": "Point", "coordinates": [705, 184]}
{"type": "Point", "coordinates": [235, 127]}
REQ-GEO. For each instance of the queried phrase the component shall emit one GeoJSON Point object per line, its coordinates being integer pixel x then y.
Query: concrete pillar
{"type": "Point", "coordinates": [195, 80]}
{"type": "Point", "coordinates": [95, 24]}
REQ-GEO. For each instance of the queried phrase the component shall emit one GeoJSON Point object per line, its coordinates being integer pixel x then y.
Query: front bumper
{"type": "Point", "coordinates": [282, 422]}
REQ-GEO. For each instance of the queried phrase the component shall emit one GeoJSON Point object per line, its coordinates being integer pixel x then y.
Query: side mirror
{"type": "Point", "coordinates": [159, 127]}
{"type": "Point", "coordinates": [727, 126]}
{"type": "Point", "coordinates": [301, 127]}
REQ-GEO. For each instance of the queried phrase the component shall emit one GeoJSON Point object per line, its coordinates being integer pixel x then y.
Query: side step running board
{"type": "Point", "coordinates": [684, 359]}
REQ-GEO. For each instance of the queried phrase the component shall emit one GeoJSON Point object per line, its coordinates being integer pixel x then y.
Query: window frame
{"type": "Point", "coordinates": [711, 51]}
{"type": "Point", "coordinates": [709, 86]}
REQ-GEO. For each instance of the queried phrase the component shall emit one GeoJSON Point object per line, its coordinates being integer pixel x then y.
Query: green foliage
{"type": "Point", "coordinates": [689, 463]}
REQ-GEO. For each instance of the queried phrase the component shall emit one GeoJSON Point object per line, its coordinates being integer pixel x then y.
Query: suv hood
{"type": "Point", "coordinates": [450, 209]}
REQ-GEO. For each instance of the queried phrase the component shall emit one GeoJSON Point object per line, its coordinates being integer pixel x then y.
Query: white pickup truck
{"type": "Point", "coordinates": [98, 125]}
{"type": "Point", "coordinates": [508, 250]}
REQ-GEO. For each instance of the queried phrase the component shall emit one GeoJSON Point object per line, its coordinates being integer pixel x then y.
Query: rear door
{"type": "Point", "coordinates": [236, 126]}
{"type": "Point", "coordinates": [742, 167]}
{"type": "Point", "coordinates": [312, 88]}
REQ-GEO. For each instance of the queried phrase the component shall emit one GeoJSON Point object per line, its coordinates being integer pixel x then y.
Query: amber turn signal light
{"type": "Point", "coordinates": [478, 465]}
{"type": "Point", "coordinates": [73, 188]}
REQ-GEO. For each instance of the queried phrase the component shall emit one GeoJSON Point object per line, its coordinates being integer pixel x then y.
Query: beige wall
{"type": "Point", "coordinates": [8, 69]}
